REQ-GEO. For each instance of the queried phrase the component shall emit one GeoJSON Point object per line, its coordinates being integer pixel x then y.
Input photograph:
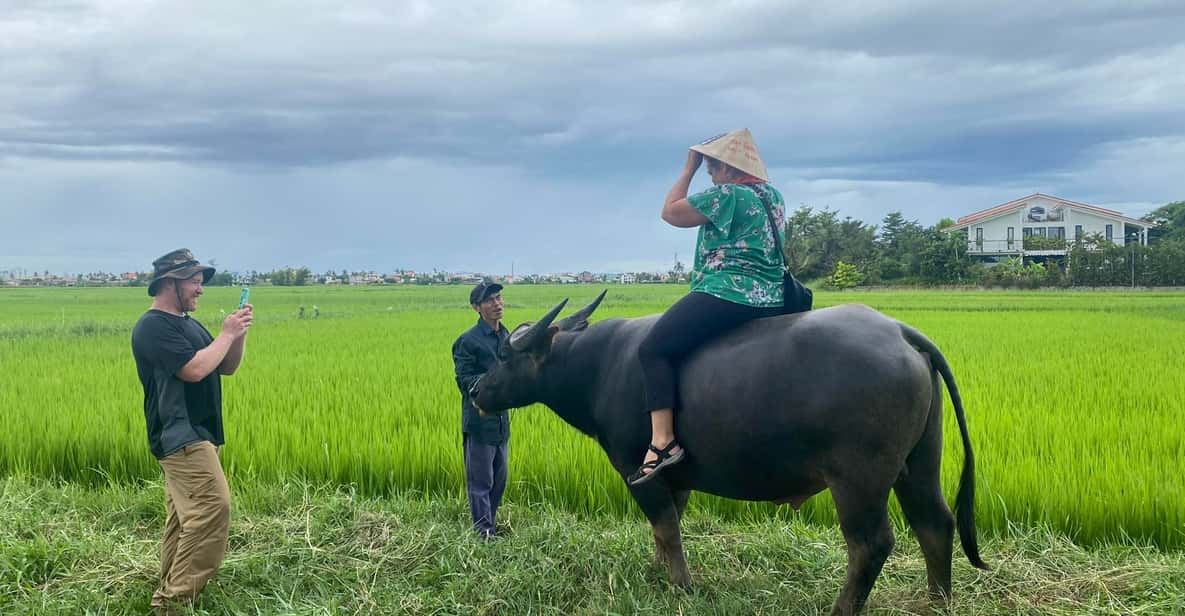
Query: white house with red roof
{"type": "Point", "coordinates": [1001, 230]}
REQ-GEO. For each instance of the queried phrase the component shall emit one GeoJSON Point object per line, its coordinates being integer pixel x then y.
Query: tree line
{"type": "Point", "coordinates": [844, 252]}
{"type": "Point", "coordinates": [830, 251]}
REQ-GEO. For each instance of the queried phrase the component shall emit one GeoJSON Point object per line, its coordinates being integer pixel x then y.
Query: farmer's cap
{"type": "Point", "coordinates": [736, 149]}
{"type": "Point", "coordinates": [482, 291]}
{"type": "Point", "coordinates": [178, 264]}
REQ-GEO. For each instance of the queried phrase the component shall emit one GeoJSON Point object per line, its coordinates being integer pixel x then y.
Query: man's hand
{"type": "Point", "coordinates": [694, 159]}
{"type": "Point", "coordinates": [237, 322]}
{"type": "Point", "coordinates": [473, 397]}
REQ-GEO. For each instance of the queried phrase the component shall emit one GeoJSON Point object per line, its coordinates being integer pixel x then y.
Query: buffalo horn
{"type": "Point", "coordinates": [579, 320]}
{"type": "Point", "coordinates": [524, 340]}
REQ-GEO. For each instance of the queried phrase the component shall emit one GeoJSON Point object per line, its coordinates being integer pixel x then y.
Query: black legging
{"type": "Point", "coordinates": [691, 321]}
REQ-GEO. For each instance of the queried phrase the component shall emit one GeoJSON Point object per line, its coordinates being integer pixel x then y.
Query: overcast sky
{"type": "Point", "coordinates": [543, 136]}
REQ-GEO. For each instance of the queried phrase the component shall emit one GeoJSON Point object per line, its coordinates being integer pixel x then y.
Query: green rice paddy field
{"type": "Point", "coordinates": [1076, 400]}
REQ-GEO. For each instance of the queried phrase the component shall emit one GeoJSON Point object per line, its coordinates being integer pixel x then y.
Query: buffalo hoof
{"type": "Point", "coordinates": [680, 579]}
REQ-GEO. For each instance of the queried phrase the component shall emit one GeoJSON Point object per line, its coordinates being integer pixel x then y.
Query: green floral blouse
{"type": "Point", "coordinates": [736, 258]}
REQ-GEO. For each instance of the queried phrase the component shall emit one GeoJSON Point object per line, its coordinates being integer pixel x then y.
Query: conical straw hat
{"type": "Point", "coordinates": [736, 149]}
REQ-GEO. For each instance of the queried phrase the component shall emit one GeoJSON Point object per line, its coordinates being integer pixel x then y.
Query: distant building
{"type": "Point", "coordinates": [1010, 229]}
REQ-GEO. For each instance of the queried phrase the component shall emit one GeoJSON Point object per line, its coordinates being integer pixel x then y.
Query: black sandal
{"type": "Point", "coordinates": [665, 458]}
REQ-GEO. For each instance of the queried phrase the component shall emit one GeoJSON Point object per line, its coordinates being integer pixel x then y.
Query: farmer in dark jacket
{"type": "Point", "coordinates": [484, 439]}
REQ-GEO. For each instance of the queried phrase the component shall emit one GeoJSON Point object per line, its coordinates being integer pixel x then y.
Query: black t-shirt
{"type": "Point", "coordinates": [177, 413]}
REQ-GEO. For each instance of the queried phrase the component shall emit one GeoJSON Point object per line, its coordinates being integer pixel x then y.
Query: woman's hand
{"type": "Point", "coordinates": [694, 159]}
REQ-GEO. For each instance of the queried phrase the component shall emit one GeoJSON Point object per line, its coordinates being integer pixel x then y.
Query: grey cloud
{"type": "Point", "coordinates": [348, 114]}
{"type": "Point", "coordinates": [233, 84]}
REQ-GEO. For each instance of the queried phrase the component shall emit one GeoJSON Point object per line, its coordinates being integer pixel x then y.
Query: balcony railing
{"type": "Point", "coordinates": [1031, 243]}
{"type": "Point", "coordinates": [1036, 242]}
{"type": "Point", "coordinates": [993, 246]}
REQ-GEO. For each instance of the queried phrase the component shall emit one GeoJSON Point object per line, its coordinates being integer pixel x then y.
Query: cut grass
{"type": "Point", "coordinates": [301, 549]}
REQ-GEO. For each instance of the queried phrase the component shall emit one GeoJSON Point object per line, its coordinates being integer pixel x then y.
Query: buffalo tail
{"type": "Point", "coordinates": [965, 499]}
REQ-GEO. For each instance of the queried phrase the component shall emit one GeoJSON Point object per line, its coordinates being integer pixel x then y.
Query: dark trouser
{"type": "Point", "coordinates": [485, 481]}
{"type": "Point", "coordinates": [686, 325]}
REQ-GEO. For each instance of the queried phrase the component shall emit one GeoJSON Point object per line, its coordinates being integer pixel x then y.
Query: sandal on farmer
{"type": "Point", "coordinates": [650, 469]}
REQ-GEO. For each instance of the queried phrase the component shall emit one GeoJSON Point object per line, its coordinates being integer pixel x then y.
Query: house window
{"type": "Point", "coordinates": [1057, 233]}
{"type": "Point", "coordinates": [979, 237]}
{"type": "Point", "coordinates": [1011, 236]}
{"type": "Point", "coordinates": [1110, 231]}
{"type": "Point", "coordinates": [1027, 231]}
{"type": "Point", "coordinates": [1077, 232]}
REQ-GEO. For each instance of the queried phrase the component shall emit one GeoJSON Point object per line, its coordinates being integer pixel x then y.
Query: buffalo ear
{"type": "Point", "coordinates": [541, 347]}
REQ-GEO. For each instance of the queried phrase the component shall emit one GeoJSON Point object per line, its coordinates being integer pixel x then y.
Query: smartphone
{"type": "Point", "coordinates": [244, 296]}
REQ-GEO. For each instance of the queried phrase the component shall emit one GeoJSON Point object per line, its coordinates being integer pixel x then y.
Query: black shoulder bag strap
{"type": "Point", "coordinates": [795, 295]}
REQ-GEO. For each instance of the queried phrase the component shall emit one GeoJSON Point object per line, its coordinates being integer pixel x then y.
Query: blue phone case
{"type": "Point", "coordinates": [243, 296]}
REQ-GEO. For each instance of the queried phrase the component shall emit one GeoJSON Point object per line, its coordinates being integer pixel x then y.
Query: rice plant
{"type": "Point", "coordinates": [1073, 398]}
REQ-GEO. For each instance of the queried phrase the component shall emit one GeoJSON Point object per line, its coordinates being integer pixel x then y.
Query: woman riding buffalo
{"type": "Point", "coordinates": [737, 275]}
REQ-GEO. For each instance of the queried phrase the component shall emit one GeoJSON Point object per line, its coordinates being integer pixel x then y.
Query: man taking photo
{"type": "Point", "coordinates": [180, 366]}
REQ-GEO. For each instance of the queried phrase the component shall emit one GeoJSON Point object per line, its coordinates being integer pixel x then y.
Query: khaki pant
{"type": "Point", "coordinates": [197, 499]}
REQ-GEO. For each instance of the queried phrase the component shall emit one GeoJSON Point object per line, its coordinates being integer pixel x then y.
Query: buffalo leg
{"type": "Point", "coordinates": [932, 523]}
{"type": "Point", "coordinates": [681, 497]}
{"type": "Point", "coordinates": [864, 519]}
{"type": "Point", "coordinates": [919, 490]}
{"type": "Point", "coordinates": [659, 505]}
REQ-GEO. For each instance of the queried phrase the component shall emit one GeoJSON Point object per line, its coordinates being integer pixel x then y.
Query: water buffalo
{"type": "Point", "coordinates": [778, 410]}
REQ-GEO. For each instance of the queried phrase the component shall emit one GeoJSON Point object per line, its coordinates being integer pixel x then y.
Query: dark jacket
{"type": "Point", "coordinates": [474, 352]}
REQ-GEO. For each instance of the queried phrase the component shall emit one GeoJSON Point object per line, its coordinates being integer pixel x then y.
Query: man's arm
{"type": "Point", "coordinates": [465, 363]}
{"type": "Point", "coordinates": [205, 361]}
{"type": "Point", "coordinates": [234, 357]}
